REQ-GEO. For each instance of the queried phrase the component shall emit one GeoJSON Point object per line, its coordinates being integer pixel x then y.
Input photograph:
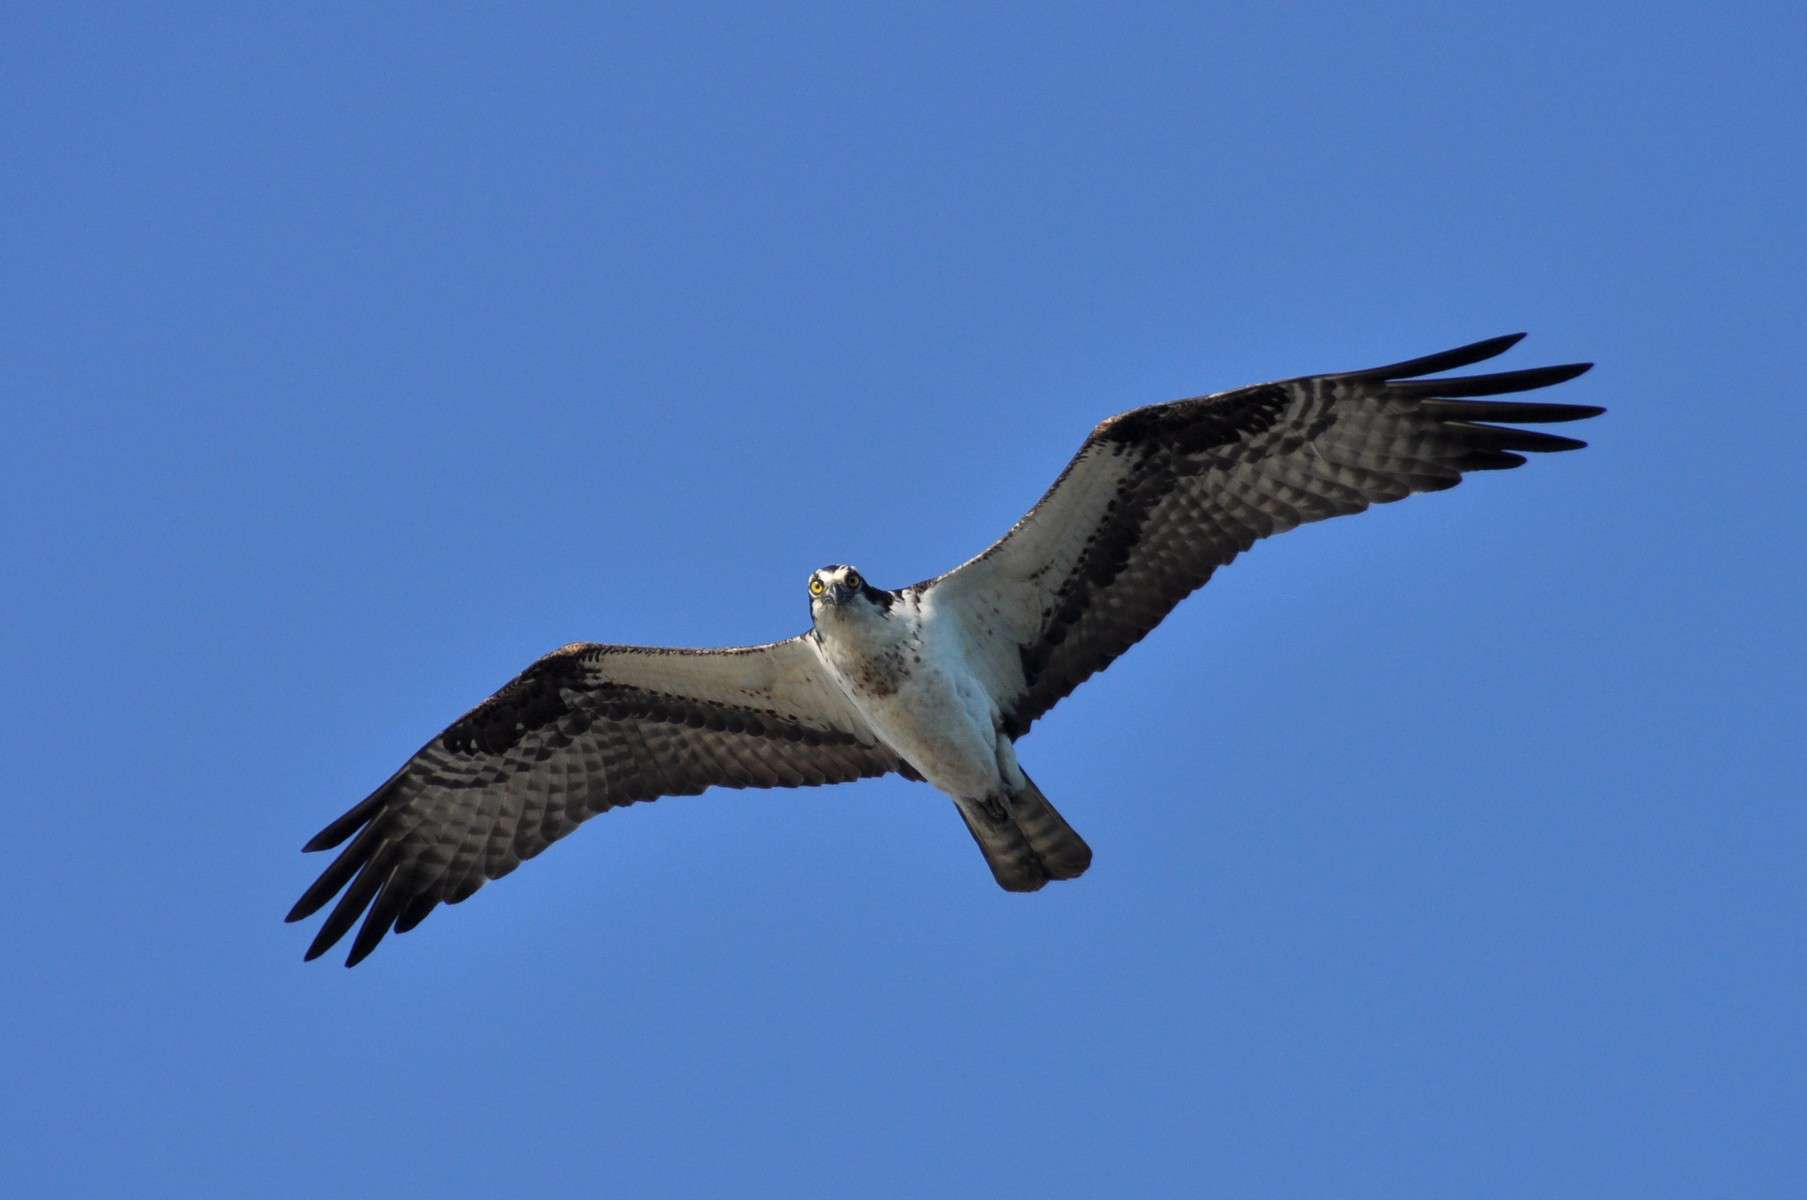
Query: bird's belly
{"type": "Point", "coordinates": [943, 726]}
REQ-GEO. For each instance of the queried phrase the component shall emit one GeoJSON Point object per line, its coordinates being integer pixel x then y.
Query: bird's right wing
{"type": "Point", "coordinates": [1157, 499]}
{"type": "Point", "coordinates": [585, 729]}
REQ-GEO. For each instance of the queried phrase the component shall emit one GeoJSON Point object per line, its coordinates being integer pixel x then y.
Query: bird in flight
{"type": "Point", "coordinates": [935, 681]}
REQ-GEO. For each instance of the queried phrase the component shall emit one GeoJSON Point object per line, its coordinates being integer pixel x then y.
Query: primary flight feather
{"type": "Point", "coordinates": [935, 681]}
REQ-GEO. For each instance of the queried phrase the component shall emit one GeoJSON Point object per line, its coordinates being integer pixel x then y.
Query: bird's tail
{"type": "Point", "coordinates": [1025, 840]}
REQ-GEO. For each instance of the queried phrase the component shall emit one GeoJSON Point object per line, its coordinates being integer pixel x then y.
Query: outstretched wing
{"type": "Point", "coordinates": [585, 729]}
{"type": "Point", "coordinates": [1159, 498]}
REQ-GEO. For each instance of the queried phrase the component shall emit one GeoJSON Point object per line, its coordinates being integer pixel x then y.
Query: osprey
{"type": "Point", "coordinates": [935, 681]}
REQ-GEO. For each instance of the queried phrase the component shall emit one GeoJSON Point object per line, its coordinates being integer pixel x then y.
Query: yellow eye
{"type": "Point", "coordinates": [817, 587]}
{"type": "Point", "coordinates": [853, 579]}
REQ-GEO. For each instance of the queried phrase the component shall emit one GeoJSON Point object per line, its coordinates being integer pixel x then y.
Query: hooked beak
{"type": "Point", "coordinates": [840, 593]}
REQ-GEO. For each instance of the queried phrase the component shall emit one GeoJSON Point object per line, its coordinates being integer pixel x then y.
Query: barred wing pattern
{"type": "Point", "coordinates": [1158, 498]}
{"type": "Point", "coordinates": [585, 729]}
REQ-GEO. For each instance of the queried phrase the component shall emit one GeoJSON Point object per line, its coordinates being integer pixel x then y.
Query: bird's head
{"type": "Point", "coordinates": [841, 589]}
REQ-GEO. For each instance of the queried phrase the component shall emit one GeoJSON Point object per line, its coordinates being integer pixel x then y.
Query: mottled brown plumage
{"type": "Point", "coordinates": [1153, 503]}
{"type": "Point", "coordinates": [1158, 498]}
{"type": "Point", "coordinates": [585, 729]}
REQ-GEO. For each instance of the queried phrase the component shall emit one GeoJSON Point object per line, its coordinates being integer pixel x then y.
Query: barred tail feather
{"type": "Point", "coordinates": [1025, 840]}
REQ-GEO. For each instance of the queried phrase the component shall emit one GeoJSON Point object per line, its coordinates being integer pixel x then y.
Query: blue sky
{"type": "Point", "coordinates": [352, 360]}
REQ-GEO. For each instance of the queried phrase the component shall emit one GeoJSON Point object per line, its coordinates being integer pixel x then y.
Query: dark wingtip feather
{"type": "Point", "coordinates": [1509, 411]}
{"type": "Point", "coordinates": [418, 910]}
{"type": "Point", "coordinates": [366, 941]}
{"type": "Point", "coordinates": [356, 899]}
{"type": "Point", "coordinates": [1549, 443]}
{"type": "Point", "coordinates": [1509, 437]}
{"type": "Point", "coordinates": [1444, 360]}
{"type": "Point", "coordinates": [349, 824]}
{"type": "Point", "coordinates": [1489, 385]}
{"type": "Point", "coordinates": [334, 877]}
{"type": "Point", "coordinates": [381, 919]}
{"type": "Point", "coordinates": [1489, 460]}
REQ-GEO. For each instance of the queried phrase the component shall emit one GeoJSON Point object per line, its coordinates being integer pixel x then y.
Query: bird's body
{"type": "Point", "coordinates": [935, 681]}
{"type": "Point", "coordinates": [908, 666]}
{"type": "Point", "coordinates": [909, 675]}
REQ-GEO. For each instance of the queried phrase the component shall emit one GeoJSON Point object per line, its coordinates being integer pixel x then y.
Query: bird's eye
{"type": "Point", "coordinates": [853, 579]}
{"type": "Point", "coordinates": [817, 587]}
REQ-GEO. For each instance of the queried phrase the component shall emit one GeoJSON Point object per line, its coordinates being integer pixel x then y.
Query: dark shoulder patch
{"type": "Point", "coordinates": [1191, 426]}
{"type": "Point", "coordinates": [881, 598]}
{"type": "Point", "coordinates": [533, 700]}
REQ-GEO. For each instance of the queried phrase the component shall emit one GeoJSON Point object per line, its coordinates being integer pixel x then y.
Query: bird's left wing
{"type": "Point", "coordinates": [585, 729]}
{"type": "Point", "coordinates": [1157, 499]}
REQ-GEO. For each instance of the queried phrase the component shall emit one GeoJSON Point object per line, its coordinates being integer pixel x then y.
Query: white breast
{"type": "Point", "coordinates": [908, 675]}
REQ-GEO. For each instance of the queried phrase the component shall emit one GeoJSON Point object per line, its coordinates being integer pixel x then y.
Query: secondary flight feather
{"type": "Point", "coordinates": [935, 681]}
